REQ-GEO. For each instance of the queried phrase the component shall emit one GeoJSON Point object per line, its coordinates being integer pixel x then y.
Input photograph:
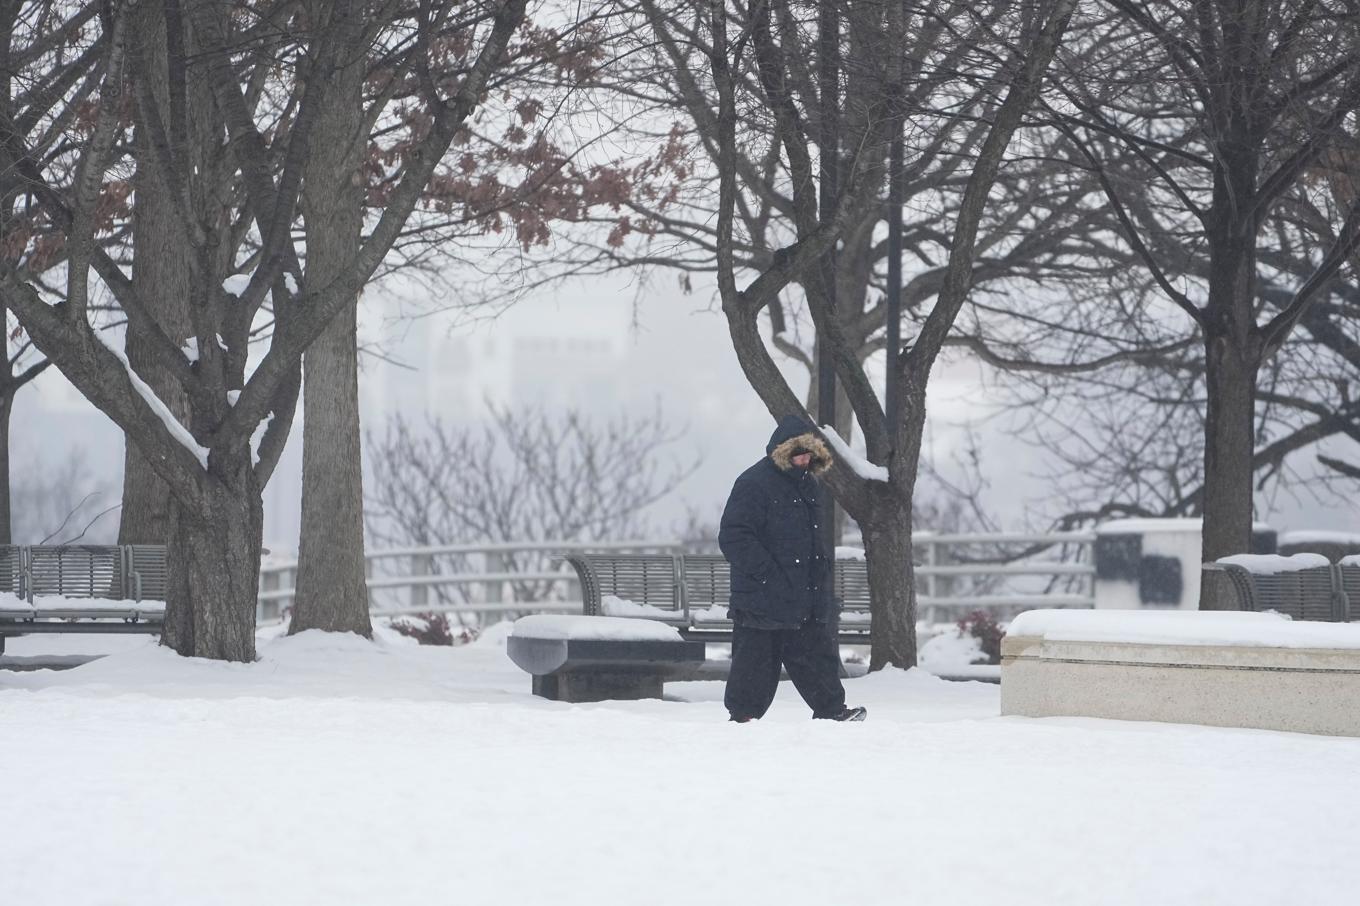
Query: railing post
{"type": "Point", "coordinates": [495, 590]}
{"type": "Point", "coordinates": [272, 580]}
{"type": "Point", "coordinates": [932, 582]}
{"type": "Point", "coordinates": [269, 581]}
{"type": "Point", "coordinates": [421, 565]}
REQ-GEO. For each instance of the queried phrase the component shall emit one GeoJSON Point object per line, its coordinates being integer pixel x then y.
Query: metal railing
{"type": "Point", "coordinates": [470, 581]}
{"type": "Point", "coordinates": [956, 572]}
{"type": "Point", "coordinates": [1003, 573]}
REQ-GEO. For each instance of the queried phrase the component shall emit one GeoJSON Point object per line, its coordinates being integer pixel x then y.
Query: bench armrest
{"type": "Point", "coordinates": [590, 586]}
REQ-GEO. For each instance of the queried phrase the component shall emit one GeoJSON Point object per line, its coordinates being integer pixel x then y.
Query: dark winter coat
{"type": "Point", "coordinates": [771, 535]}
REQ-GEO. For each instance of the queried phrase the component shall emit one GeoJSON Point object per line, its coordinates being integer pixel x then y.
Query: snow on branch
{"type": "Point", "coordinates": [172, 424]}
{"type": "Point", "coordinates": [863, 468]}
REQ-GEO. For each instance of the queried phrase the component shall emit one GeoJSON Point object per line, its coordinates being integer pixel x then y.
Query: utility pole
{"type": "Point", "coordinates": [894, 342]}
{"type": "Point", "coordinates": [828, 60]}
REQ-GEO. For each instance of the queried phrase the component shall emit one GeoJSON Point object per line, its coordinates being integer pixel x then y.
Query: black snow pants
{"type": "Point", "coordinates": [811, 656]}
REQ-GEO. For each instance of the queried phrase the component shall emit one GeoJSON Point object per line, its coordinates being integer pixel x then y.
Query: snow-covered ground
{"type": "Point", "coordinates": [342, 772]}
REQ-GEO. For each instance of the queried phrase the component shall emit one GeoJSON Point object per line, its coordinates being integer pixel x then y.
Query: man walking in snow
{"type": "Point", "coordinates": [782, 604]}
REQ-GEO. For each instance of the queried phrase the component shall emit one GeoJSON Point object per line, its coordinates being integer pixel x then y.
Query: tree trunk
{"type": "Point", "coordinates": [1229, 441]}
{"type": "Point", "coordinates": [214, 561]}
{"type": "Point", "coordinates": [6, 408]}
{"type": "Point", "coordinates": [1232, 360]}
{"type": "Point", "coordinates": [332, 593]}
{"type": "Point", "coordinates": [887, 545]}
{"type": "Point", "coordinates": [892, 589]}
{"type": "Point", "coordinates": [161, 265]}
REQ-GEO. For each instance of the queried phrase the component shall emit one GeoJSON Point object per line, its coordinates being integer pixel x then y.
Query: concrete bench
{"type": "Point", "coordinates": [691, 592]}
{"type": "Point", "coordinates": [590, 659]}
{"type": "Point", "coordinates": [1224, 669]}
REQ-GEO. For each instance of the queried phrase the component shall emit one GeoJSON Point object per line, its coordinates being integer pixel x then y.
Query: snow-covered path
{"type": "Point", "coordinates": [334, 771]}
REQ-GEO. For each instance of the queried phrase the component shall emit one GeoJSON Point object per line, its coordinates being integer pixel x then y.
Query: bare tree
{"type": "Point", "coordinates": [331, 590]}
{"type": "Point", "coordinates": [175, 99]}
{"type": "Point", "coordinates": [1204, 122]}
{"type": "Point", "coordinates": [1024, 40]}
{"type": "Point", "coordinates": [48, 67]}
{"type": "Point", "coordinates": [214, 472]}
{"type": "Point", "coordinates": [662, 213]}
{"type": "Point", "coordinates": [1112, 387]}
{"type": "Point", "coordinates": [370, 112]}
{"type": "Point", "coordinates": [20, 368]}
{"type": "Point", "coordinates": [522, 476]}
{"type": "Point", "coordinates": [1113, 394]}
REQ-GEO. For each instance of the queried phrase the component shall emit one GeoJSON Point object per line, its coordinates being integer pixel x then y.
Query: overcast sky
{"type": "Point", "coordinates": [603, 346]}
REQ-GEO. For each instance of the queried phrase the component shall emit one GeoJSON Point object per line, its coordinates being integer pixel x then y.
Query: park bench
{"type": "Point", "coordinates": [81, 588]}
{"type": "Point", "coordinates": [690, 592]}
{"type": "Point", "coordinates": [1323, 592]}
{"type": "Point", "coordinates": [678, 602]}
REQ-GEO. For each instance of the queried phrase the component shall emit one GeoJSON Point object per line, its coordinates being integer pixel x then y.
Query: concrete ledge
{"type": "Point", "coordinates": [1305, 690]}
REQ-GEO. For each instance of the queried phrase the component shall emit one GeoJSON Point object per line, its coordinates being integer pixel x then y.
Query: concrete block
{"type": "Point", "coordinates": [597, 686]}
{"type": "Point", "coordinates": [594, 670]}
{"type": "Point", "coordinates": [1303, 690]}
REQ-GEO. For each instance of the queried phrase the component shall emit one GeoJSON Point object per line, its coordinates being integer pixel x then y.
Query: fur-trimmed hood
{"type": "Point", "coordinates": [794, 433]}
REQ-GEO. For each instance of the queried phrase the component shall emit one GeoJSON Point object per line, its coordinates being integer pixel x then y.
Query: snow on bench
{"type": "Point", "coordinates": [1183, 627]}
{"type": "Point", "coordinates": [63, 607]}
{"type": "Point", "coordinates": [1267, 564]}
{"type": "Point", "coordinates": [566, 627]}
{"type": "Point", "coordinates": [1306, 586]}
{"type": "Point", "coordinates": [598, 658]}
{"type": "Point", "coordinates": [613, 606]}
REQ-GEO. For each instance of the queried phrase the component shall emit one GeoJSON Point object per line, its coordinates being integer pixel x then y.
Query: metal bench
{"type": "Point", "coordinates": [1322, 593]}
{"type": "Point", "coordinates": [691, 591]}
{"type": "Point", "coordinates": [646, 580]}
{"type": "Point", "coordinates": [121, 588]}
